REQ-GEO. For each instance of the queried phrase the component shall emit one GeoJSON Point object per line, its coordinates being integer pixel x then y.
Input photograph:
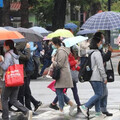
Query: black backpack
{"type": "Point", "coordinates": [85, 72]}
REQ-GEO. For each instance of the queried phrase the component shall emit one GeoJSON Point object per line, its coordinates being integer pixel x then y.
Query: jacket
{"type": "Point", "coordinates": [9, 59]}
{"type": "Point", "coordinates": [23, 53]}
{"type": "Point", "coordinates": [73, 63]}
{"type": "Point", "coordinates": [61, 60]}
{"type": "Point", "coordinates": [97, 66]}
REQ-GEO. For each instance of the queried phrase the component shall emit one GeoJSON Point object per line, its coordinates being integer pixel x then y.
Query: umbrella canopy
{"type": "Point", "coordinates": [71, 26]}
{"type": "Point", "coordinates": [29, 34]}
{"type": "Point", "coordinates": [2, 28]}
{"type": "Point", "coordinates": [103, 21]}
{"type": "Point", "coordinates": [60, 32]}
{"type": "Point", "coordinates": [5, 35]}
{"type": "Point", "coordinates": [74, 40]}
{"type": "Point", "coordinates": [86, 31]}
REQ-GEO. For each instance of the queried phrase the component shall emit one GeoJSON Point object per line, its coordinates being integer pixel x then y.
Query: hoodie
{"type": "Point", "coordinates": [10, 59]}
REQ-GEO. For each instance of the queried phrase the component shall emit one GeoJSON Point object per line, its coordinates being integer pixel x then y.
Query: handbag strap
{"type": "Point", "coordinates": [12, 58]}
{"type": "Point", "coordinates": [111, 64]}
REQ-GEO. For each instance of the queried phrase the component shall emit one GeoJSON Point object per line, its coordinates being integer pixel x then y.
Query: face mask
{"type": "Point", "coordinates": [103, 40]}
{"type": "Point", "coordinates": [53, 47]}
{"type": "Point", "coordinates": [100, 47]}
{"type": "Point", "coordinates": [4, 50]}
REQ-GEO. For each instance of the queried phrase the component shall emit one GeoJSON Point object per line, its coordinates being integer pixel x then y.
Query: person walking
{"type": "Point", "coordinates": [106, 57]}
{"type": "Point", "coordinates": [11, 93]}
{"type": "Point", "coordinates": [74, 67]}
{"type": "Point", "coordinates": [98, 77]}
{"type": "Point", "coordinates": [65, 81]}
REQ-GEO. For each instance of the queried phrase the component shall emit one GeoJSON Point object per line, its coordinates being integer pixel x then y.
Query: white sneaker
{"type": "Point", "coordinates": [72, 109]}
{"type": "Point", "coordinates": [84, 110]}
{"type": "Point", "coordinates": [48, 76]}
{"type": "Point", "coordinates": [29, 115]}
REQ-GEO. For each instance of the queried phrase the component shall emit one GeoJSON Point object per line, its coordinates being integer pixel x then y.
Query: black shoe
{"type": "Point", "coordinates": [38, 105]}
{"type": "Point", "coordinates": [107, 113]}
{"type": "Point", "coordinates": [78, 109]}
{"type": "Point", "coordinates": [34, 114]}
{"type": "Point", "coordinates": [55, 107]}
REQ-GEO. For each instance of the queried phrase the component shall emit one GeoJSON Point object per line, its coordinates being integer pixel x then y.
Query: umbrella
{"type": "Point", "coordinates": [60, 32]}
{"type": "Point", "coordinates": [2, 28]}
{"type": "Point", "coordinates": [29, 34]}
{"type": "Point", "coordinates": [71, 26]}
{"type": "Point", "coordinates": [5, 35]}
{"type": "Point", "coordinates": [86, 31]}
{"type": "Point", "coordinates": [41, 30]}
{"type": "Point", "coordinates": [74, 40]}
{"type": "Point", "coordinates": [103, 21]}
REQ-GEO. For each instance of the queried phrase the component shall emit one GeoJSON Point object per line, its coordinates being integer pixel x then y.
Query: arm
{"type": "Point", "coordinates": [107, 56]}
{"type": "Point", "coordinates": [6, 63]}
{"type": "Point", "coordinates": [100, 66]}
{"type": "Point", "coordinates": [61, 58]}
{"type": "Point", "coordinates": [26, 56]}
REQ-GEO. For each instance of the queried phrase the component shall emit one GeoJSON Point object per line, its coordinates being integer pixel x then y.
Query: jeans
{"type": "Point", "coordinates": [61, 97]}
{"type": "Point", "coordinates": [103, 102]}
{"type": "Point", "coordinates": [75, 94]}
{"type": "Point", "coordinates": [10, 93]}
{"type": "Point", "coordinates": [95, 100]}
{"type": "Point", "coordinates": [45, 65]}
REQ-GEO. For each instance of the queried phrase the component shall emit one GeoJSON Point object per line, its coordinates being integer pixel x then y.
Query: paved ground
{"type": "Point", "coordinates": [42, 93]}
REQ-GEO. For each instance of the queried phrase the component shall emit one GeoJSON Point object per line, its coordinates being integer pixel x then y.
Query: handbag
{"type": "Point", "coordinates": [14, 75]}
{"type": "Point", "coordinates": [74, 75]}
{"type": "Point", "coordinates": [56, 73]}
{"type": "Point", "coordinates": [119, 67]}
{"type": "Point", "coordinates": [110, 73]}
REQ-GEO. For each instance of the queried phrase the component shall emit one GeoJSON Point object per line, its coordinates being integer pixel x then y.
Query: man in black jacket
{"type": "Point", "coordinates": [23, 49]}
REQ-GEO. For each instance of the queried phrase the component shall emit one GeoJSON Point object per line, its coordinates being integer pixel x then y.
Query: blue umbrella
{"type": "Point", "coordinates": [86, 31]}
{"type": "Point", "coordinates": [103, 21]}
{"type": "Point", "coordinates": [71, 26]}
{"type": "Point", "coordinates": [74, 40]}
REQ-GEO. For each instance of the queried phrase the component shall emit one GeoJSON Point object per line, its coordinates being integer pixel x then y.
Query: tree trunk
{"type": "Point", "coordinates": [95, 8]}
{"type": "Point", "coordinates": [0, 16]}
{"type": "Point", "coordinates": [24, 13]}
{"type": "Point", "coordinates": [6, 11]}
{"type": "Point", "coordinates": [59, 14]}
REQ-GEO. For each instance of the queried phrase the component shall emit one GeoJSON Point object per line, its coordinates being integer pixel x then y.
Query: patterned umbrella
{"type": "Point", "coordinates": [103, 21]}
{"type": "Point", "coordinates": [86, 31]}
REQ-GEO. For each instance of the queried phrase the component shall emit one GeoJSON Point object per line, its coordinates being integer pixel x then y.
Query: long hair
{"type": "Point", "coordinates": [10, 43]}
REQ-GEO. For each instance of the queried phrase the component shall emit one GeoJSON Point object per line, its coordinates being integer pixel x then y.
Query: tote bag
{"type": "Point", "coordinates": [14, 76]}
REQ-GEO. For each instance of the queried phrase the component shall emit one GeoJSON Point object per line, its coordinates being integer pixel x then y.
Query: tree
{"type": "Point", "coordinates": [24, 13]}
{"type": "Point", "coordinates": [6, 13]}
{"type": "Point", "coordinates": [59, 14]}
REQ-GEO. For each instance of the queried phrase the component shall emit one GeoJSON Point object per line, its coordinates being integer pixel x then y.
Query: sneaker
{"type": "Point", "coordinates": [99, 116]}
{"type": "Point", "coordinates": [48, 76]}
{"type": "Point", "coordinates": [29, 115]}
{"type": "Point", "coordinates": [38, 105]}
{"type": "Point", "coordinates": [55, 107]}
{"type": "Point", "coordinates": [71, 109]}
{"type": "Point", "coordinates": [84, 110]}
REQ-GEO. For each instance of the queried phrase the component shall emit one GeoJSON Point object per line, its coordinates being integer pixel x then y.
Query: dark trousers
{"type": "Point", "coordinates": [25, 96]}
{"type": "Point", "coordinates": [46, 64]}
{"type": "Point", "coordinates": [10, 93]}
{"type": "Point", "coordinates": [75, 94]}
